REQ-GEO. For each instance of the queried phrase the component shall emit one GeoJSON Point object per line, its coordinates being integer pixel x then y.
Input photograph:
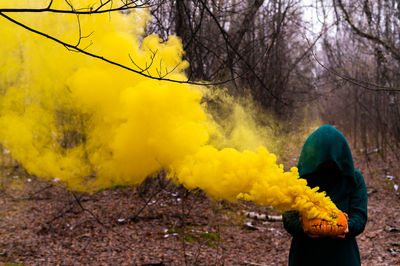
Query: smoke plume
{"type": "Point", "coordinates": [93, 125]}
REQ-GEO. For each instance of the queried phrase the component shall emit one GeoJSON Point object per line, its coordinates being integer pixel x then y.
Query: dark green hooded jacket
{"type": "Point", "coordinates": [344, 185]}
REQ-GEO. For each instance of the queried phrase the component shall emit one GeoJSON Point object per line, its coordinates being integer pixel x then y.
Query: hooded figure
{"type": "Point", "coordinates": [326, 161]}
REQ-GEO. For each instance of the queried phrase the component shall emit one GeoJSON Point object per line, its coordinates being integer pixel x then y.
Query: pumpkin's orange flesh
{"type": "Point", "coordinates": [324, 228]}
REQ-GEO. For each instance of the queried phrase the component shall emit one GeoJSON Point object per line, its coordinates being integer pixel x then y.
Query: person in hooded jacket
{"type": "Point", "coordinates": [326, 161]}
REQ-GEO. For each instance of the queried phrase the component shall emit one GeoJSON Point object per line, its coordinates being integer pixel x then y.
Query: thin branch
{"type": "Point", "coordinates": [70, 5]}
{"type": "Point", "coordinates": [49, 6]}
{"type": "Point", "coordinates": [225, 35]}
{"type": "Point", "coordinates": [32, 195]}
{"type": "Point", "coordinates": [79, 29]}
{"type": "Point", "coordinates": [102, 4]}
{"type": "Point", "coordinates": [58, 216]}
{"type": "Point", "coordinates": [363, 84]}
{"type": "Point", "coordinates": [74, 48]}
{"type": "Point", "coordinates": [146, 203]}
{"type": "Point", "coordinates": [78, 201]}
{"type": "Point", "coordinates": [133, 62]}
{"type": "Point", "coordinates": [61, 214]}
{"type": "Point", "coordinates": [82, 11]}
{"type": "Point", "coordinates": [370, 37]}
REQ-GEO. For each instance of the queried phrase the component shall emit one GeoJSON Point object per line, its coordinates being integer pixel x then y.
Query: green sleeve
{"type": "Point", "coordinates": [292, 224]}
{"type": "Point", "coordinates": [358, 207]}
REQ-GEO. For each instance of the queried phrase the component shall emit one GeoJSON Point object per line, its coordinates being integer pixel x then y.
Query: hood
{"type": "Point", "coordinates": [324, 145]}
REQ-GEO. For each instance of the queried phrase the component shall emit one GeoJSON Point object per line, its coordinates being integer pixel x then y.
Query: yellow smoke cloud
{"type": "Point", "coordinates": [93, 125]}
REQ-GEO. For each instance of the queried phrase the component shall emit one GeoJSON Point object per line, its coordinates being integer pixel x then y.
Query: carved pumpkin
{"type": "Point", "coordinates": [324, 228]}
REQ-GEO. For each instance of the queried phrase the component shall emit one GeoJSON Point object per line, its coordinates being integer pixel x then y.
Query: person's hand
{"type": "Point", "coordinates": [345, 231]}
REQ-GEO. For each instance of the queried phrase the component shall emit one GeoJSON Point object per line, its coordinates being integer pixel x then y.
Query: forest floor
{"type": "Point", "coordinates": [159, 223]}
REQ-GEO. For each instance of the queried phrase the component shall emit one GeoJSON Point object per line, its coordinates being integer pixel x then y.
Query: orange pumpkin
{"type": "Point", "coordinates": [325, 228]}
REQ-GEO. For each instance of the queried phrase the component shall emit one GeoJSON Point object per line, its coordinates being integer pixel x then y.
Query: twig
{"type": "Point", "coordinates": [51, 2]}
{"type": "Point", "coordinates": [86, 210]}
{"type": "Point", "coordinates": [30, 197]}
{"type": "Point", "coordinates": [392, 50]}
{"type": "Point", "coordinates": [147, 66]}
{"type": "Point", "coordinates": [146, 203]}
{"type": "Point", "coordinates": [359, 83]}
{"type": "Point", "coordinates": [78, 201]}
{"type": "Point", "coordinates": [135, 216]}
{"type": "Point", "coordinates": [74, 48]}
{"type": "Point", "coordinates": [82, 11]}
{"type": "Point", "coordinates": [225, 35]}
{"type": "Point", "coordinates": [67, 210]}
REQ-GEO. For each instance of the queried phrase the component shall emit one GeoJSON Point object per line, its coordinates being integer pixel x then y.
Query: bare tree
{"type": "Point", "coordinates": [257, 46]}
{"type": "Point", "coordinates": [361, 65]}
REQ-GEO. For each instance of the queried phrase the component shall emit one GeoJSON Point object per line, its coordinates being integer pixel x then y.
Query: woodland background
{"type": "Point", "coordinates": [336, 61]}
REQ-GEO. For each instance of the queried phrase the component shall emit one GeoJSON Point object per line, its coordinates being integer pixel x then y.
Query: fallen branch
{"type": "Point", "coordinates": [265, 217]}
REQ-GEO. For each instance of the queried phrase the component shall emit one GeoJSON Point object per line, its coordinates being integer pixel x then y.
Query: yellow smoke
{"type": "Point", "coordinates": [93, 125]}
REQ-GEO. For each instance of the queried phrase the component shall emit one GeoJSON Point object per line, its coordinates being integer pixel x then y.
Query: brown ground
{"type": "Point", "coordinates": [41, 223]}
